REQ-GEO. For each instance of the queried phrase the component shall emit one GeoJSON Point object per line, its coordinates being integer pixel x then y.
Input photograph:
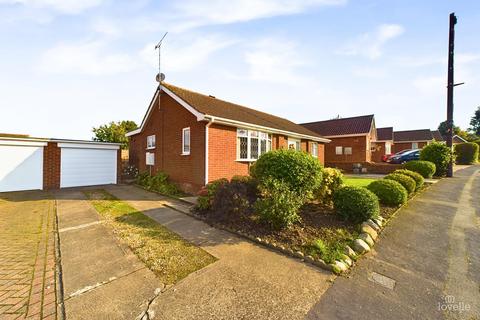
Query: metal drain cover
{"type": "Point", "coordinates": [382, 280]}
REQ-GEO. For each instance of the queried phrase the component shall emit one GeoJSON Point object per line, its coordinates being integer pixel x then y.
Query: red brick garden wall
{"type": "Point", "coordinates": [51, 166]}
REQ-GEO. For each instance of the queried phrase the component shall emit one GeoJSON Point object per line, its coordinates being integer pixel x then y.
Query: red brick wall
{"type": "Point", "coordinates": [51, 166]}
{"type": "Point", "coordinates": [399, 146]}
{"type": "Point", "coordinates": [358, 145]}
{"type": "Point", "coordinates": [166, 124]}
{"type": "Point", "coordinates": [379, 152]}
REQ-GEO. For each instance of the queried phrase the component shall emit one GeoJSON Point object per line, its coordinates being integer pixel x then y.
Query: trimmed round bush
{"type": "Point", "coordinates": [439, 154]}
{"type": "Point", "coordinates": [407, 182]}
{"type": "Point", "coordinates": [299, 170]}
{"type": "Point", "coordinates": [206, 195]}
{"type": "Point", "coordinates": [356, 204]}
{"type": "Point", "coordinates": [414, 175]}
{"type": "Point", "coordinates": [389, 192]}
{"type": "Point", "coordinates": [466, 153]}
{"type": "Point", "coordinates": [425, 168]}
{"type": "Point", "coordinates": [332, 180]}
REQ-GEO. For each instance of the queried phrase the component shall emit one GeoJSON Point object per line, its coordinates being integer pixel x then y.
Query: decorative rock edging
{"type": "Point", "coordinates": [363, 244]}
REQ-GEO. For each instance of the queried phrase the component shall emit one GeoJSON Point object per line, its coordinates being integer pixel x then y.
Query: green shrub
{"type": "Point", "coordinates": [407, 182]}
{"type": "Point", "coordinates": [234, 198]}
{"type": "Point", "coordinates": [205, 198]}
{"type": "Point", "coordinates": [439, 154]}
{"type": "Point", "coordinates": [356, 204]}
{"type": "Point", "coordinates": [466, 153]}
{"type": "Point", "coordinates": [159, 183]}
{"type": "Point", "coordinates": [414, 175]}
{"type": "Point", "coordinates": [332, 180]}
{"type": "Point", "coordinates": [425, 168]}
{"type": "Point", "coordinates": [328, 252]}
{"type": "Point", "coordinates": [300, 171]}
{"type": "Point", "coordinates": [278, 205]}
{"type": "Point", "coordinates": [389, 192]}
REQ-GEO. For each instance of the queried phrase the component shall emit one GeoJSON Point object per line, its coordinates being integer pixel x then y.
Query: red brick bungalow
{"type": "Point", "coordinates": [197, 138]}
{"type": "Point", "coordinates": [351, 139]}
{"type": "Point", "coordinates": [383, 145]}
{"type": "Point", "coordinates": [412, 139]}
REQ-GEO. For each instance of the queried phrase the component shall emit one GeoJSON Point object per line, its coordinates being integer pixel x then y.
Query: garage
{"type": "Point", "coordinates": [40, 164]}
{"type": "Point", "coordinates": [21, 165]}
{"type": "Point", "coordinates": [87, 165]}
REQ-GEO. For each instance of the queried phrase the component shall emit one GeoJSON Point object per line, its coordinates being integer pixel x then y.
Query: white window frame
{"type": "Point", "coordinates": [315, 149]}
{"type": "Point", "coordinates": [186, 152]}
{"type": "Point", "coordinates": [414, 145]}
{"type": "Point", "coordinates": [296, 142]}
{"type": "Point", "coordinates": [249, 134]}
{"type": "Point", "coordinates": [151, 142]}
{"type": "Point", "coordinates": [349, 149]}
{"type": "Point", "coordinates": [338, 150]}
{"type": "Point", "coordinates": [388, 148]}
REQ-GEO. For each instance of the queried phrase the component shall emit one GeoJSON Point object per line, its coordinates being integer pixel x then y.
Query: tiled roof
{"type": "Point", "coordinates": [458, 139]}
{"type": "Point", "coordinates": [385, 133]}
{"type": "Point", "coordinates": [437, 135]}
{"type": "Point", "coordinates": [212, 106]}
{"type": "Point", "coordinates": [342, 126]}
{"type": "Point", "coordinates": [412, 135]}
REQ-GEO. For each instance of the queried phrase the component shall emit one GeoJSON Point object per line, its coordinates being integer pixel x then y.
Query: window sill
{"type": "Point", "coordinates": [185, 154]}
{"type": "Point", "coordinates": [150, 148]}
{"type": "Point", "coordinates": [246, 160]}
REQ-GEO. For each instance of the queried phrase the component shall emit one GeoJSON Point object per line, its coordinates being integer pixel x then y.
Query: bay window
{"type": "Point", "coordinates": [252, 144]}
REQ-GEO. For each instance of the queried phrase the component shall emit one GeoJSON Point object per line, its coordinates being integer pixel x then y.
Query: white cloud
{"type": "Point", "coordinates": [185, 55]}
{"type": "Point", "coordinates": [275, 60]}
{"type": "Point", "coordinates": [371, 44]}
{"type": "Point", "coordinates": [89, 58]}
{"type": "Point", "coordinates": [62, 6]}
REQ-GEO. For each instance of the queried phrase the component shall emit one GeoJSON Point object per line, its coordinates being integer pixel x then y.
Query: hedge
{"type": "Point", "coordinates": [466, 153]}
{"type": "Point", "coordinates": [425, 168]}
{"type": "Point", "coordinates": [389, 192]}
{"type": "Point", "coordinates": [356, 204]}
{"type": "Point", "coordinates": [407, 182]}
{"type": "Point", "coordinates": [439, 154]}
{"type": "Point", "coordinates": [414, 175]}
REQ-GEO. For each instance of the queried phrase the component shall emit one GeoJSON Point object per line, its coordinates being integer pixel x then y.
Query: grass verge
{"type": "Point", "coordinates": [358, 182]}
{"type": "Point", "coordinates": [164, 252]}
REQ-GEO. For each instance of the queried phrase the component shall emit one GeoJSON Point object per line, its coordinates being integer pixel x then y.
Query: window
{"type": "Point", "coordinates": [388, 148]}
{"type": "Point", "coordinates": [185, 141]}
{"type": "Point", "coordinates": [252, 144]}
{"type": "Point", "coordinates": [348, 150]}
{"type": "Point", "coordinates": [150, 159]}
{"type": "Point", "coordinates": [293, 144]}
{"type": "Point", "coordinates": [315, 149]}
{"type": "Point", "coordinates": [338, 150]}
{"type": "Point", "coordinates": [151, 142]}
{"type": "Point", "coordinates": [414, 145]}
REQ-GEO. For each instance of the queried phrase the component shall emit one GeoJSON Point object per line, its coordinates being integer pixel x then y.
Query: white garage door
{"type": "Point", "coordinates": [87, 167]}
{"type": "Point", "coordinates": [21, 167]}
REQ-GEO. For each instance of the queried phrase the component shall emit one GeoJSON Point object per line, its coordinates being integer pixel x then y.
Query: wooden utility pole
{"type": "Point", "coordinates": [450, 85]}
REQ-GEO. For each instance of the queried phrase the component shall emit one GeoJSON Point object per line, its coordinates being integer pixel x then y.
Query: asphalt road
{"type": "Point", "coordinates": [426, 266]}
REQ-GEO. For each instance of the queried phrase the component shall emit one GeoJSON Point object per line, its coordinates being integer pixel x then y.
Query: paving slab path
{"type": "Point", "coordinates": [102, 278]}
{"type": "Point", "coordinates": [247, 282]}
{"type": "Point", "coordinates": [426, 265]}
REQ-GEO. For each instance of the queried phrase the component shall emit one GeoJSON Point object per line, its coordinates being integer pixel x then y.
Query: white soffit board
{"type": "Point", "coordinates": [21, 167]}
{"type": "Point", "coordinates": [87, 167]}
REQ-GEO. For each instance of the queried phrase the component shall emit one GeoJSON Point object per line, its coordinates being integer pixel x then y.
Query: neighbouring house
{"type": "Point", "coordinates": [28, 163]}
{"type": "Point", "coordinates": [456, 139]}
{"type": "Point", "coordinates": [411, 139]}
{"type": "Point", "coordinates": [197, 138]}
{"type": "Point", "coordinates": [351, 139]}
{"type": "Point", "coordinates": [383, 145]}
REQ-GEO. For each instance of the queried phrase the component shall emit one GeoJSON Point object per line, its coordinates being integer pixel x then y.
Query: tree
{"type": "Point", "coordinates": [114, 132]}
{"type": "Point", "coordinates": [475, 122]}
{"type": "Point", "coordinates": [442, 127]}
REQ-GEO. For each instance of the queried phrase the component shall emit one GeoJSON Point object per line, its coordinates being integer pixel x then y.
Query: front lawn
{"type": "Point", "coordinates": [164, 252]}
{"type": "Point", "coordinates": [358, 182]}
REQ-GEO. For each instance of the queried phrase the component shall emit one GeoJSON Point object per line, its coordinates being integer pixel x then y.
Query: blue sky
{"type": "Point", "coordinates": [69, 65]}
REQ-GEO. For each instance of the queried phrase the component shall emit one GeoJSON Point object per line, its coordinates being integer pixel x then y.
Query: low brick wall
{"type": "Point", "coordinates": [372, 167]}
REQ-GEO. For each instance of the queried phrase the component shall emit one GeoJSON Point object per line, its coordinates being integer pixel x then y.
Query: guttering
{"type": "Point", "coordinates": [9, 140]}
{"type": "Point", "coordinates": [206, 149]}
{"type": "Point", "coordinates": [246, 125]}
